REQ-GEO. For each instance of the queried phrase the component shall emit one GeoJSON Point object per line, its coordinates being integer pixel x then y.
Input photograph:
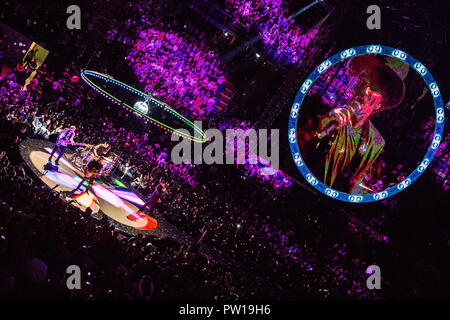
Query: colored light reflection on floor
{"type": "Point", "coordinates": [129, 196]}
{"type": "Point", "coordinates": [79, 180]}
{"type": "Point", "coordinates": [120, 184]}
{"type": "Point", "coordinates": [113, 199]}
{"type": "Point", "coordinates": [108, 196]}
{"type": "Point", "coordinates": [46, 159]}
{"type": "Point", "coordinates": [111, 196]}
{"type": "Point", "coordinates": [62, 179]}
{"type": "Point", "coordinates": [63, 160]}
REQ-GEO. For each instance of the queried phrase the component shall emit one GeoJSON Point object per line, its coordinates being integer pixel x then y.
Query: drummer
{"type": "Point", "coordinates": [101, 150]}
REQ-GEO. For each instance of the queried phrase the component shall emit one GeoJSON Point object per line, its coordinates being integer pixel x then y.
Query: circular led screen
{"type": "Point", "coordinates": [143, 105]}
{"type": "Point", "coordinates": [361, 128]}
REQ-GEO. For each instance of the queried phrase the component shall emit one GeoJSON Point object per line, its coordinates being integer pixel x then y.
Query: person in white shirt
{"type": "Point", "coordinates": [65, 138]}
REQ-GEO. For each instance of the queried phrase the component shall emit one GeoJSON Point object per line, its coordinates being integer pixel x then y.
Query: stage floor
{"type": "Point", "coordinates": [117, 203]}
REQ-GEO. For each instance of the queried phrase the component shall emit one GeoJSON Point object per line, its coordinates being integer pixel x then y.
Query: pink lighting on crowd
{"type": "Point", "coordinates": [178, 71]}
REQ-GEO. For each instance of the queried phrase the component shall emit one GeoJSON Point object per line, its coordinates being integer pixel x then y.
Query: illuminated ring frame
{"type": "Point", "coordinates": [201, 137]}
{"type": "Point", "coordinates": [352, 52]}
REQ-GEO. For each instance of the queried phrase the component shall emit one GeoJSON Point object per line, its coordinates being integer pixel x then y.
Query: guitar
{"type": "Point", "coordinates": [79, 144]}
{"type": "Point", "coordinates": [94, 172]}
{"type": "Point", "coordinates": [90, 174]}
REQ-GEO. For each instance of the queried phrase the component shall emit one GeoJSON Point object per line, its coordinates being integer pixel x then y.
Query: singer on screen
{"type": "Point", "coordinates": [351, 142]}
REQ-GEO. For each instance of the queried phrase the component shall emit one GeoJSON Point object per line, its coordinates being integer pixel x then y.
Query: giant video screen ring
{"type": "Point", "coordinates": [304, 89]}
{"type": "Point", "coordinates": [88, 76]}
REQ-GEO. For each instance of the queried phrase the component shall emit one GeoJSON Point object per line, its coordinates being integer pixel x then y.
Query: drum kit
{"type": "Point", "coordinates": [83, 155]}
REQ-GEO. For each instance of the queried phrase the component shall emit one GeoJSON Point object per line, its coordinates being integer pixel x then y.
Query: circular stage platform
{"type": "Point", "coordinates": [118, 204]}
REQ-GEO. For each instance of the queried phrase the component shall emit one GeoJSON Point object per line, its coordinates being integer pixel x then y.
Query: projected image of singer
{"type": "Point", "coordinates": [354, 133]}
{"type": "Point", "coordinates": [346, 135]}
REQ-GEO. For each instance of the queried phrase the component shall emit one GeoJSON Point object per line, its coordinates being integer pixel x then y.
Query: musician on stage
{"type": "Point", "coordinates": [65, 138]}
{"type": "Point", "coordinates": [91, 171]}
{"type": "Point", "coordinates": [101, 150]}
{"type": "Point", "coordinates": [153, 199]}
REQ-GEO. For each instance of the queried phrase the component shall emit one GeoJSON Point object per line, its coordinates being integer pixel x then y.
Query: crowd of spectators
{"type": "Point", "coordinates": [178, 71]}
{"type": "Point", "coordinates": [229, 219]}
{"type": "Point", "coordinates": [23, 274]}
{"type": "Point", "coordinates": [237, 225]}
{"type": "Point", "coordinates": [42, 120]}
{"type": "Point", "coordinates": [271, 234]}
{"type": "Point", "coordinates": [175, 67]}
{"type": "Point", "coordinates": [40, 236]}
{"type": "Point", "coordinates": [252, 165]}
{"type": "Point", "coordinates": [277, 29]}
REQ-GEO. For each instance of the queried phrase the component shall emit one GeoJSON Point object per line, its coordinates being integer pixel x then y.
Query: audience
{"type": "Point", "coordinates": [178, 71]}
{"type": "Point", "coordinates": [277, 29]}
{"type": "Point", "coordinates": [230, 219]}
{"type": "Point", "coordinates": [255, 220]}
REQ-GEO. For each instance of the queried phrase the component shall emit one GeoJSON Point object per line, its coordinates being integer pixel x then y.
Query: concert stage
{"type": "Point", "coordinates": [119, 204]}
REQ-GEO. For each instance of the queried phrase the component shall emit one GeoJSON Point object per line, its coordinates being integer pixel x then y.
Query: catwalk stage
{"type": "Point", "coordinates": [118, 203]}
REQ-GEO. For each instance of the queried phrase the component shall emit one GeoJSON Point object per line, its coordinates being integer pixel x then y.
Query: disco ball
{"type": "Point", "coordinates": [141, 106]}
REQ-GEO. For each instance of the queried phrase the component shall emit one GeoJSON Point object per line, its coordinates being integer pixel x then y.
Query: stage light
{"type": "Point", "coordinates": [120, 184]}
{"type": "Point", "coordinates": [62, 179]}
{"type": "Point", "coordinates": [86, 74]}
{"type": "Point", "coordinates": [141, 106]}
{"type": "Point", "coordinates": [107, 195]}
{"type": "Point", "coordinates": [304, 89]}
{"type": "Point", "coordinates": [129, 196]}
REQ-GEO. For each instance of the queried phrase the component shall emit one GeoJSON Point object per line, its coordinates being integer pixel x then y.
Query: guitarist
{"type": "Point", "coordinates": [65, 138]}
{"type": "Point", "coordinates": [91, 171]}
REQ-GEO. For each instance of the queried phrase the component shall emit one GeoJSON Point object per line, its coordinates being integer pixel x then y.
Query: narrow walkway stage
{"type": "Point", "coordinates": [117, 203]}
